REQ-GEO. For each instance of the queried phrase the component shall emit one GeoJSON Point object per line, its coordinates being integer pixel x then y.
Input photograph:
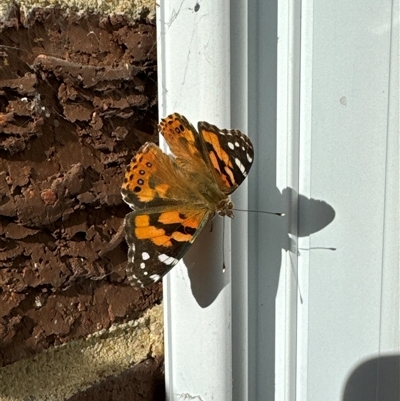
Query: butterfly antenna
{"type": "Point", "coordinates": [317, 247]}
{"type": "Point", "coordinates": [259, 211]}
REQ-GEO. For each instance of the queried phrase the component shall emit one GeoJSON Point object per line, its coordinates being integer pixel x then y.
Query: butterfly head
{"type": "Point", "coordinates": [225, 208]}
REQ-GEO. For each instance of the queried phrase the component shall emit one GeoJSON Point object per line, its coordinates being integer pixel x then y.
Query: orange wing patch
{"type": "Point", "coordinates": [167, 226]}
{"type": "Point", "coordinates": [143, 231]}
{"type": "Point", "coordinates": [171, 217]}
{"type": "Point", "coordinates": [212, 139]}
{"type": "Point", "coordinates": [139, 172]}
{"type": "Point", "coordinates": [162, 190]}
{"type": "Point", "coordinates": [216, 155]}
{"type": "Point", "coordinates": [181, 136]}
{"type": "Point", "coordinates": [143, 220]}
{"type": "Point", "coordinates": [177, 217]}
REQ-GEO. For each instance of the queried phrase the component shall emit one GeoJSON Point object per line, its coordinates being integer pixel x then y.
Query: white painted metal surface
{"type": "Point", "coordinates": [348, 319]}
{"type": "Point", "coordinates": [316, 87]}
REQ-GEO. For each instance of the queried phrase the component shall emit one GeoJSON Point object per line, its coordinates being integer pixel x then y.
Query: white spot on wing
{"type": "Point", "coordinates": [237, 144]}
{"type": "Point", "coordinates": [241, 167]}
{"type": "Point", "coordinates": [168, 260]}
{"type": "Point", "coordinates": [231, 146]}
{"type": "Point", "coordinates": [145, 256]}
{"type": "Point", "coordinates": [249, 158]}
{"type": "Point", "coordinates": [142, 265]}
{"type": "Point", "coordinates": [145, 273]}
{"type": "Point", "coordinates": [155, 277]}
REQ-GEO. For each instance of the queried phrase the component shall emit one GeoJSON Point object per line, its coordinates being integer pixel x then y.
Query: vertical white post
{"type": "Point", "coordinates": [194, 80]}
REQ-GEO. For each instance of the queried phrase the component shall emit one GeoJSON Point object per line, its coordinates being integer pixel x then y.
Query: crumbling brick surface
{"type": "Point", "coordinates": [77, 98]}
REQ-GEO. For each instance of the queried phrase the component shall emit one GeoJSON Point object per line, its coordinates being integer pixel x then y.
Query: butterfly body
{"type": "Point", "coordinates": [173, 197]}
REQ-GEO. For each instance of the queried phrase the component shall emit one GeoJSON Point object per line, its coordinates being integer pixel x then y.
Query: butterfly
{"type": "Point", "coordinates": [174, 196]}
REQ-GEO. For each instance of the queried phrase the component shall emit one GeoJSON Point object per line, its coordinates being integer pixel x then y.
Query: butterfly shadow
{"type": "Point", "coordinates": [204, 262]}
{"type": "Point", "coordinates": [313, 216]}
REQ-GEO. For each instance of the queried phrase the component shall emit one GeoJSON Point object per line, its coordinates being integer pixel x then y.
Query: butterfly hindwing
{"type": "Point", "coordinates": [158, 238]}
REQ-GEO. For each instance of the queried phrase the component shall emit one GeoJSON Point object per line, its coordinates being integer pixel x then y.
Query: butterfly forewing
{"type": "Point", "coordinates": [230, 153]}
{"type": "Point", "coordinates": [153, 179]}
{"type": "Point", "coordinates": [184, 142]}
